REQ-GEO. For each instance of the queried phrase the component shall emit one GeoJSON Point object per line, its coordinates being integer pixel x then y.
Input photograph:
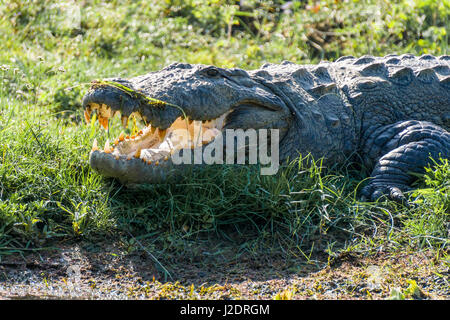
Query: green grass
{"type": "Point", "coordinates": [48, 192]}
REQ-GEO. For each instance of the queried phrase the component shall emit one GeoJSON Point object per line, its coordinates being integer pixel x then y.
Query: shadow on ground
{"type": "Point", "coordinates": [107, 271]}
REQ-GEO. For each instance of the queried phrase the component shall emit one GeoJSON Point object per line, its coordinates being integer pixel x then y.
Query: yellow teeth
{"type": "Point", "coordinates": [169, 140]}
{"type": "Point", "coordinates": [107, 148]}
{"type": "Point", "coordinates": [103, 122]}
{"type": "Point", "coordinates": [124, 121]}
{"type": "Point", "coordinates": [94, 145]}
{"type": "Point", "coordinates": [161, 134]}
{"type": "Point", "coordinates": [87, 116]}
{"type": "Point", "coordinates": [106, 111]}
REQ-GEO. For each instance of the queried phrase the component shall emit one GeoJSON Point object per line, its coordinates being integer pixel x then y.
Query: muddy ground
{"type": "Point", "coordinates": [108, 271]}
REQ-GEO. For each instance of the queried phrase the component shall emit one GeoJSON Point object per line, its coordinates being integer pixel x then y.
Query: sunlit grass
{"type": "Point", "coordinates": [48, 192]}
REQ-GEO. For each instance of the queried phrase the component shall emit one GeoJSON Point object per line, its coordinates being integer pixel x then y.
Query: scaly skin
{"type": "Point", "coordinates": [392, 112]}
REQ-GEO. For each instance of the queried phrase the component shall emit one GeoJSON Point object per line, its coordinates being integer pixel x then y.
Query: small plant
{"type": "Point", "coordinates": [412, 292]}
{"type": "Point", "coordinates": [284, 295]}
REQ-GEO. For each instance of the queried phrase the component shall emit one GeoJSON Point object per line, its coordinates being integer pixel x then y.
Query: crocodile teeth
{"type": "Point", "coordinates": [107, 148]}
{"type": "Point", "coordinates": [94, 145]}
{"type": "Point", "coordinates": [103, 121]}
{"type": "Point", "coordinates": [138, 153]}
{"type": "Point", "coordinates": [162, 134]}
{"type": "Point", "coordinates": [87, 115]}
{"type": "Point", "coordinates": [105, 110]}
{"type": "Point", "coordinates": [124, 121]}
{"type": "Point", "coordinates": [179, 135]}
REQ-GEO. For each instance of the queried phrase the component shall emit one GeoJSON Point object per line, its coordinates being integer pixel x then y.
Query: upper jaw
{"type": "Point", "coordinates": [109, 97]}
{"type": "Point", "coordinates": [116, 99]}
{"type": "Point", "coordinates": [107, 101]}
{"type": "Point", "coordinates": [112, 96]}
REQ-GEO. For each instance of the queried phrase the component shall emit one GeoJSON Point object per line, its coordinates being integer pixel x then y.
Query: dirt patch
{"type": "Point", "coordinates": [108, 271]}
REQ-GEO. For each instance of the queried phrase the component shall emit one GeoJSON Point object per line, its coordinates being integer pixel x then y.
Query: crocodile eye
{"type": "Point", "coordinates": [212, 72]}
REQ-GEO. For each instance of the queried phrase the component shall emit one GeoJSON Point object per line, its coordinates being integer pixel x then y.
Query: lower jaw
{"type": "Point", "coordinates": [140, 166]}
{"type": "Point", "coordinates": [137, 171]}
{"type": "Point", "coordinates": [133, 170]}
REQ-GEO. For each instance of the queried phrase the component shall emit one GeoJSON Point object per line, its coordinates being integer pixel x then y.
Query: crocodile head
{"type": "Point", "coordinates": [184, 108]}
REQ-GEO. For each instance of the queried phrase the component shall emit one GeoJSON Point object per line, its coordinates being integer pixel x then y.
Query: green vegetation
{"type": "Point", "coordinates": [50, 52]}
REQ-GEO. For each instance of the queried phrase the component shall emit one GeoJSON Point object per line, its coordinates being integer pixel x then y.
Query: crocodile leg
{"type": "Point", "coordinates": [398, 150]}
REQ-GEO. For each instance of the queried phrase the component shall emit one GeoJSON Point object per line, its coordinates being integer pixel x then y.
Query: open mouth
{"type": "Point", "coordinates": [152, 145]}
{"type": "Point", "coordinates": [169, 132]}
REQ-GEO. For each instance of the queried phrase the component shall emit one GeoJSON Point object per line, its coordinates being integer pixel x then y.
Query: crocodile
{"type": "Point", "coordinates": [391, 114]}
